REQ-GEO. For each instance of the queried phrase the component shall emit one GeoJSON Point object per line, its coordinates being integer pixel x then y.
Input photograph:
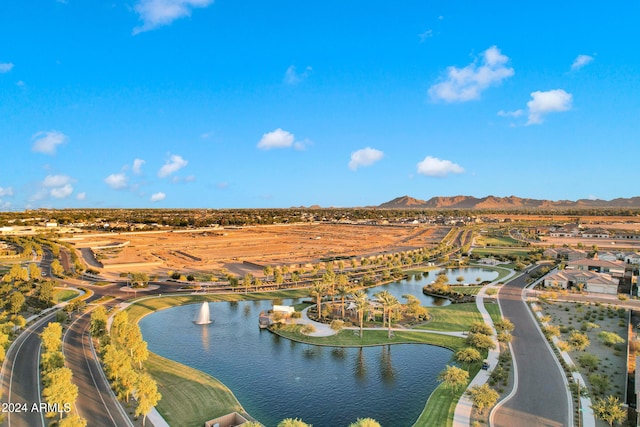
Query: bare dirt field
{"type": "Point", "coordinates": [213, 249]}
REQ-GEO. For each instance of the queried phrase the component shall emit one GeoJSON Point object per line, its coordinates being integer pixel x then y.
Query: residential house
{"type": "Point", "coordinates": [584, 280]}
{"type": "Point", "coordinates": [614, 268]}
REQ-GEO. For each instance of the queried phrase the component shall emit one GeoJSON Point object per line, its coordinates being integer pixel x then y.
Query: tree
{"type": "Point", "coordinates": [34, 271]}
{"type": "Point", "coordinates": [453, 378]}
{"type": "Point", "coordinates": [389, 303]}
{"type": "Point", "coordinates": [414, 307]}
{"type": "Point", "coordinates": [73, 420]}
{"type": "Point", "coordinates": [293, 422]}
{"type": "Point", "coordinates": [139, 352]}
{"type": "Point", "coordinates": [483, 397]}
{"type": "Point", "coordinates": [468, 355]}
{"type": "Point", "coordinates": [98, 323]}
{"type": "Point", "coordinates": [609, 410]}
{"type": "Point", "coordinates": [45, 293]}
{"type": "Point", "coordinates": [504, 325]}
{"type": "Point", "coordinates": [480, 328]}
{"type": "Point", "coordinates": [147, 395]}
{"type": "Point", "coordinates": [480, 341]}
{"type": "Point", "coordinates": [51, 337]}
{"type": "Point", "coordinates": [268, 271]}
{"type": "Point", "coordinates": [317, 291]}
{"type": "Point", "coordinates": [61, 390]}
{"type": "Point", "coordinates": [343, 292]}
{"type": "Point", "coordinates": [362, 303]}
{"type": "Point", "coordinates": [578, 341]}
{"type": "Point", "coordinates": [118, 324]}
{"type": "Point", "coordinates": [56, 268]}
{"type": "Point", "coordinates": [16, 302]}
{"type": "Point", "coordinates": [17, 273]}
{"type": "Point", "coordinates": [247, 281]}
{"type": "Point", "coordinates": [116, 361]}
{"type": "Point", "coordinates": [365, 422]}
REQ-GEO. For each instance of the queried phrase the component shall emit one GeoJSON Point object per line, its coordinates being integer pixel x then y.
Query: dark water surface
{"type": "Point", "coordinates": [274, 378]}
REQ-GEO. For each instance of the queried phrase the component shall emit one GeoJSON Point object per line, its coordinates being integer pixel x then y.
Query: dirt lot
{"type": "Point", "coordinates": [212, 249]}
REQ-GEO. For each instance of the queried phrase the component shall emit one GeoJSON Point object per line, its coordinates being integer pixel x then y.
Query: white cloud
{"type": "Point", "coordinates": [5, 67]}
{"type": "Point", "coordinates": [174, 164]}
{"type": "Point", "coordinates": [277, 139]}
{"type": "Point", "coordinates": [365, 157]}
{"type": "Point", "coordinates": [81, 196]}
{"type": "Point", "coordinates": [425, 35]}
{"type": "Point", "coordinates": [6, 191]}
{"type": "Point", "coordinates": [552, 101]}
{"type": "Point", "coordinates": [47, 142]}
{"type": "Point", "coordinates": [117, 181]}
{"type": "Point", "coordinates": [516, 113]}
{"type": "Point", "coordinates": [157, 13]}
{"type": "Point", "coordinates": [432, 166]}
{"type": "Point", "coordinates": [56, 180]}
{"type": "Point", "coordinates": [292, 77]}
{"type": "Point", "coordinates": [62, 192]}
{"type": "Point", "coordinates": [158, 197]}
{"type": "Point", "coordinates": [466, 84]}
{"type": "Point", "coordinates": [137, 166]}
{"type": "Point", "coordinates": [222, 185]}
{"type": "Point", "coordinates": [581, 61]}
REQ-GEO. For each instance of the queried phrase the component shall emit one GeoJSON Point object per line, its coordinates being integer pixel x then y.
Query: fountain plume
{"type": "Point", "coordinates": [204, 317]}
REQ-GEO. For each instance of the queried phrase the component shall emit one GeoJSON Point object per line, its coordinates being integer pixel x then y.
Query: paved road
{"type": "Point", "coordinates": [20, 380]}
{"type": "Point", "coordinates": [541, 397]}
{"type": "Point", "coordinates": [96, 401]}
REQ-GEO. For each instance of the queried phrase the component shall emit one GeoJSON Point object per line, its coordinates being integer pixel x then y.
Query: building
{"type": "Point", "coordinates": [583, 280]}
{"type": "Point", "coordinates": [614, 268]}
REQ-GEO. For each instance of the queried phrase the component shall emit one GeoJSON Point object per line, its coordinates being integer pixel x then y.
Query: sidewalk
{"type": "Point", "coordinates": [462, 414]}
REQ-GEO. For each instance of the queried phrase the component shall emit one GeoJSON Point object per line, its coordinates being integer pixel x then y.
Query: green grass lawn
{"type": "Point", "coordinates": [452, 318]}
{"type": "Point", "coordinates": [351, 338]}
{"type": "Point", "coordinates": [496, 241]}
{"type": "Point", "coordinates": [466, 290]}
{"type": "Point", "coordinates": [485, 252]}
{"type": "Point", "coordinates": [189, 396]}
{"type": "Point", "coordinates": [494, 311]}
{"type": "Point", "coordinates": [62, 295]}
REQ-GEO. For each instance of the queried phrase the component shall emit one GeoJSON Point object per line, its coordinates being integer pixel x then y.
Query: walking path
{"type": "Point", "coordinates": [462, 414]}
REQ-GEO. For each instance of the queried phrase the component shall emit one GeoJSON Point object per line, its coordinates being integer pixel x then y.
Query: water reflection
{"type": "Point", "coordinates": [338, 353]}
{"type": "Point", "coordinates": [352, 381]}
{"type": "Point", "coordinates": [386, 367]}
{"type": "Point", "coordinates": [360, 371]}
{"type": "Point", "coordinates": [205, 338]}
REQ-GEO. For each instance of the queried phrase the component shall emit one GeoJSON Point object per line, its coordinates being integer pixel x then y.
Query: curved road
{"type": "Point", "coordinates": [21, 378]}
{"type": "Point", "coordinates": [541, 397]}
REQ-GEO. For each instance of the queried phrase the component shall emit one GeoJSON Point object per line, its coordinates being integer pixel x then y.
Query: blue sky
{"type": "Point", "coordinates": [235, 104]}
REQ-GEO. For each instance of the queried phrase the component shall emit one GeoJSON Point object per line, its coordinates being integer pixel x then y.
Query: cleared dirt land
{"type": "Point", "coordinates": [212, 249]}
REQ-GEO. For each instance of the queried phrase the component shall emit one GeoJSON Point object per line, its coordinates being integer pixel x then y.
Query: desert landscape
{"type": "Point", "coordinates": [232, 249]}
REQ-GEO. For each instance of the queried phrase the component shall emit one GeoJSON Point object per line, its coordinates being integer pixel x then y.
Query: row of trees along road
{"type": "Point", "coordinates": [123, 353]}
{"type": "Point", "coordinates": [59, 390]}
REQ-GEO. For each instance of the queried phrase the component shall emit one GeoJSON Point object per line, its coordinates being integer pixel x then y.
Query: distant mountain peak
{"type": "Point", "coordinates": [510, 202]}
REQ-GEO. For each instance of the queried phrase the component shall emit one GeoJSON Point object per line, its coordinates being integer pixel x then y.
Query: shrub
{"type": "Point", "coordinates": [337, 325]}
{"type": "Point", "coordinates": [308, 329]}
{"type": "Point", "coordinates": [610, 338]}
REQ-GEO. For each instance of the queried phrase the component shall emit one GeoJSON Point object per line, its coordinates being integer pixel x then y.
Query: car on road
{"type": "Point", "coordinates": [485, 365]}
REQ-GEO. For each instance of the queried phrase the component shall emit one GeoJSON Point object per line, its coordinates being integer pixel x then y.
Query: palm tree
{"type": "Point", "coordinates": [343, 292]}
{"type": "Point", "coordinates": [317, 291]}
{"type": "Point", "coordinates": [362, 303]}
{"type": "Point", "coordinates": [389, 303]}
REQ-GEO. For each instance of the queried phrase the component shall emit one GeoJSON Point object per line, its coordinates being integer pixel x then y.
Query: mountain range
{"type": "Point", "coordinates": [511, 202]}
